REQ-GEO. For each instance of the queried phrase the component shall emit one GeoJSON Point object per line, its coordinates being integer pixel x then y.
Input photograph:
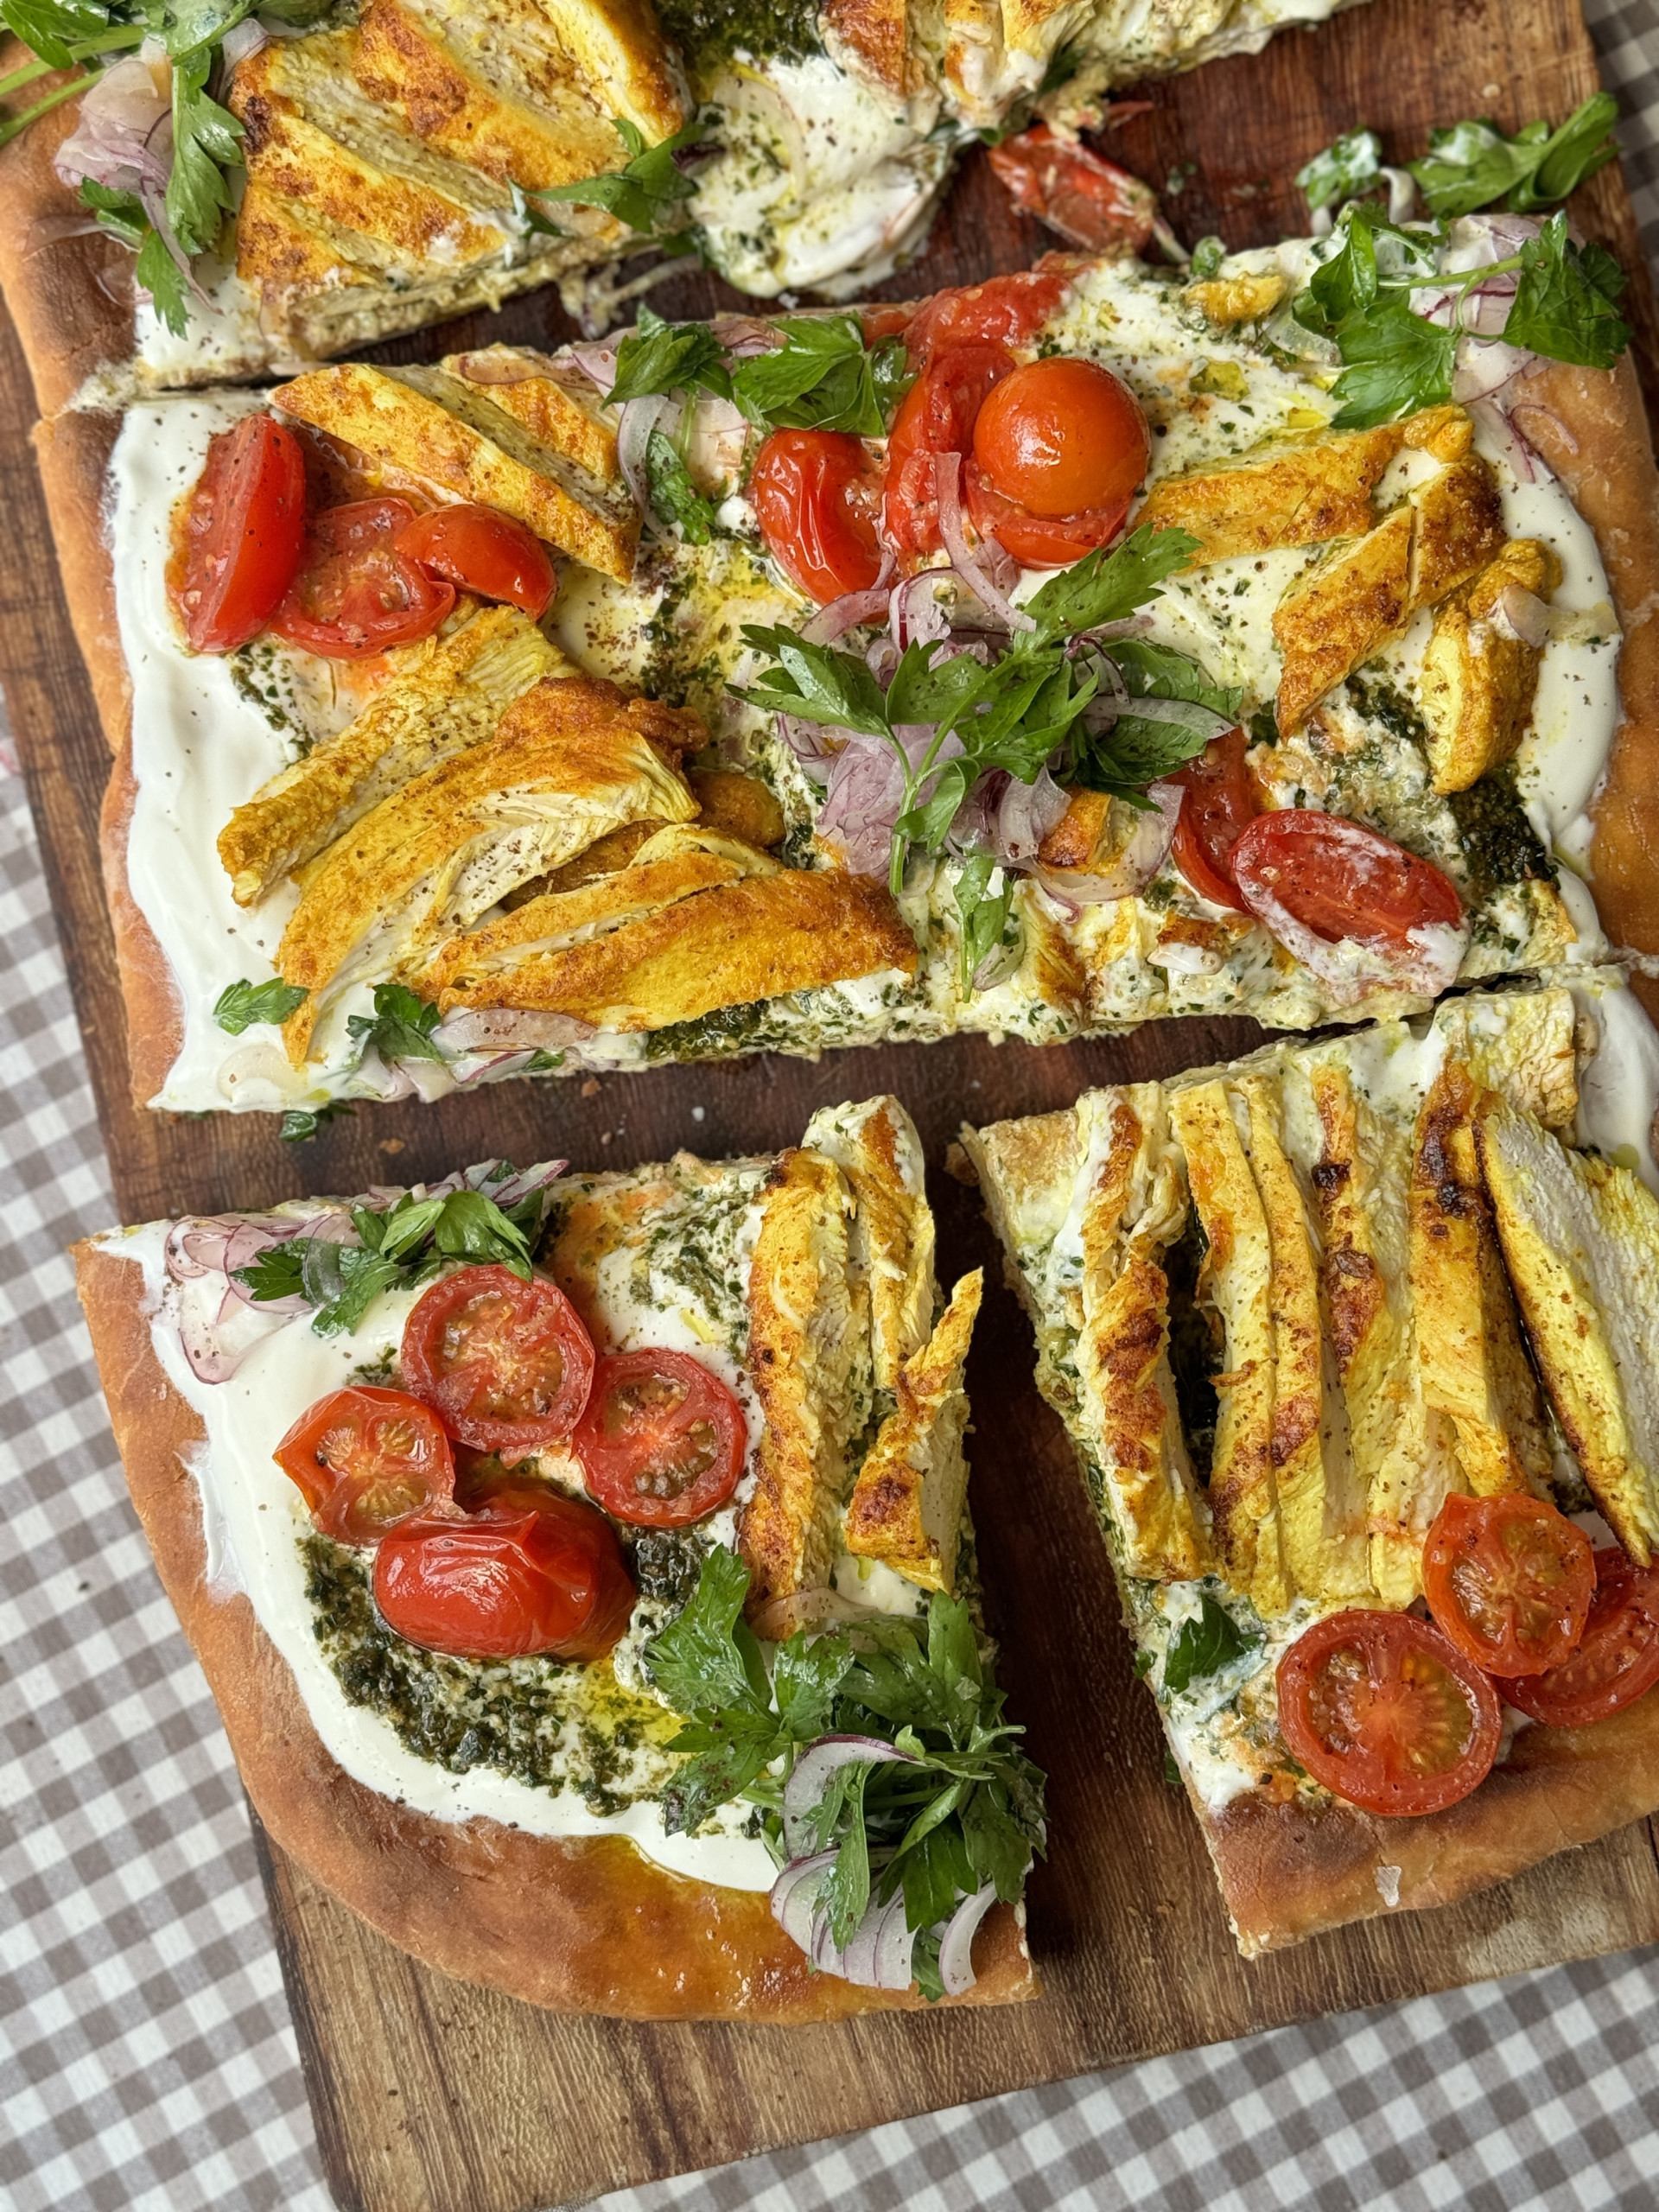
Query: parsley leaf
{"type": "Point", "coordinates": [207, 138]}
{"type": "Point", "coordinates": [1394, 363]}
{"type": "Point", "coordinates": [1207, 256]}
{"type": "Point", "coordinates": [669, 357]}
{"type": "Point", "coordinates": [240, 1004]}
{"type": "Point", "coordinates": [401, 1027]}
{"type": "Point", "coordinates": [1203, 1646]}
{"type": "Point", "coordinates": [1343, 169]}
{"type": "Point", "coordinates": [963, 1809]}
{"type": "Point", "coordinates": [984, 913]}
{"type": "Point", "coordinates": [674, 496]}
{"type": "Point", "coordinates": [648, 188]}
{"type": "Point", "coordinates": [121, 214]}
{"type": "Point", "coordinates": [1150, 672]}
{"type": "Point", "coordinates": [1474, 165]}
{"type": "Point", "coordinates": [1565, 300]}
{"type": "Point", "coordinates": [301, 1123]}
{"type": "Point", "coordinates": [158, 274]}
{"type": "Point", "coordinates": [1104, 587]}
{"type": "Point", "coordinates": [54, 28]}
{"type": "Point", "coordinates": [816, 682]}
{"type": "Point", "coordinates": [824, 378]}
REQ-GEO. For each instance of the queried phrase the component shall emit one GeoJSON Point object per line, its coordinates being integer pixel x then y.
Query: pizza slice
{"type": "Point", "coordinates": [583, 1567]}
{"type": "Point", "coordinates": [1354, 1339]}
{"type": "Point", "coordinates": [375, 170]}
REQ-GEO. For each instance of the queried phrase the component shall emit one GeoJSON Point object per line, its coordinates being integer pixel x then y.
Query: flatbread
{"type": "Point", "coordinates": [582, 1925]}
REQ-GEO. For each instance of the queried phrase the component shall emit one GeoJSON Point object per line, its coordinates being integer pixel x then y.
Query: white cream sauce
{"type": "Point", "coordinates": [255, 1522]}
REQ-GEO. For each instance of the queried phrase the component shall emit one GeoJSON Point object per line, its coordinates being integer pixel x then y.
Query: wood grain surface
{"type": "Point", "coordinates": [432, 2095]}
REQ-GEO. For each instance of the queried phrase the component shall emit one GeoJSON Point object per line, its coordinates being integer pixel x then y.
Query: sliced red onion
{"type": "Point", "coordinates": [1522, 615]}
{"type": "Point", "coordinates": [804, 1791]}
{"type": "Point", "coordinates": [638, 419]}
{"type": "Point", "coordinates": [916, 615]}
{"type": "Point", "coordinates": [1489, 417]}
{"type": "Point", "coordinates": [844, 613]}
{"type": "Point", "coordinates": [745, 335]}
{"type": "Point", "coordinates": [512, 1188]}
{"type": "Point", "coordinates": [115, 140]}
{"type": "Point", "coordinates": [715, 440]}
{"type": "Point", "coordinates": [876, 1955]}
{"type": "Point", "coordinates": [947, 478]}
{"type": "Point", "coordinates": [1483, 367]}
{"type": "Point", "coordinates": [957, 1944]}
{"type": "Point", "coordinates": [1027, 814]}
{"type": "Point", "coordinates": [781, 1618]}
{"type": "Point", "coordinates": [243, 40]}
{"type": "Point", "coordinates": [1402, 194]}
{"type": "Point", "coordinates": [505, 1028]}
{"type": "Point", "coordinates": [809, 740]}
{"type": "Point", "coordinates": [1137, 861]}
{"type": "Point", "coordinates": [1187, 714]}
{"type": "Point", "coordinates": [864, 799]}
{"type": "Point", "coordinates": [597, 362]}
{"type": "Point", "coordinates": [218, 1329]}
{"type": "Point", "coordinates": [795, 1895]}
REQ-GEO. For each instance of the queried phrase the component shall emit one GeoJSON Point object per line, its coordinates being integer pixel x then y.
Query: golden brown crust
{"type": "Point", "coordinates": [69, 289]}
{"type": "Point", "coordinates": [578, 1924]}
{"type": "Point", "coordinates": [1288, 1871]}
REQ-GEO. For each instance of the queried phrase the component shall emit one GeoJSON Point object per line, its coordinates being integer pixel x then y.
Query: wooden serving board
{"type": "Point", "coordinates": [434, 2096]}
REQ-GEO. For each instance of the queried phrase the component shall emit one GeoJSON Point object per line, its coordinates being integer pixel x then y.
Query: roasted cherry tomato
{"type": "Point", "coordinates": [356, 594]}
{"type": "Point", "coordinates": [815, 499]}
{"type": "Point", "coordinates": [506, 1363]}
{"type": "Point", "coordinates": [1340, 879]}
{"type": "Point", "coordinates": [1383, 1710]}
{"type": "Point", "coordinates": [1004, 310]}
{"type": "Point", "coordinates": [1618, 1658]}
{"type": "Point", "coordinates": [1061, 436]}
{"type": "Point", "coordinates": [366, 1460]}
{"type": "Point", "coordinates": [1219, 804]}
{"type": "Point", "coordinates": [936, 416]}
{"type": "Point", "coordinates": [663, 1439]}
{"type": "Point", "coordinates": [532, 1571]}
{"type": "Point", "coordinates": [1091, 201]}
{"type": "Point", "coordinates": [1510, 1580]}
{"type": "Point", "coordinates": [1039, 541]}
{"type": "Point", "coordinates": [484, 552]}
{"type": "Point", "coordinates": [243, 531]}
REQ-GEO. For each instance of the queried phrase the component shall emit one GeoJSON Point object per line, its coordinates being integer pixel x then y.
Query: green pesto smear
{"type": "Point", "coordinates": [709, 32]}
{"type": "Point", "coordinates": [556, 1724]}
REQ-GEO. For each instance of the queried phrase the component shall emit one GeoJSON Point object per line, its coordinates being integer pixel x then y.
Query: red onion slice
{"type": "Point", "coordinates": [916, 616]}
{"type": "Point", "coordinates": [243, 40]}
{"type": "Point", "coordinates": [114, 141]}
{"type": "Point", "coordinates": [794, 1897]}
{"type": "Point", "coordinates": [804, 1791]}
{"type": "Point", "coordinates": [957, 1944]}
{"type": "Point", "coordinates": [1026, 815]}
{"type": "Point", "coordinates": [640, 418]}
{"type": "Point", "coordinates": [488, 1029]}
{"type": "Point", "coordinates": [597, 362]}
{"type": "Point", "coordinates": [846, 614]}
{"type": "Point", "coordinates": [947, 478]}
{"type": "Point", "coordinates": [1522, 615]}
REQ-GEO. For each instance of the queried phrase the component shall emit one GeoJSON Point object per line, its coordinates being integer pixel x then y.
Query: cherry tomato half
{"type": "Point", "coordinates": [663, 1439]}
{"type": "Point", "coordinates": [1618, 1658]}
{"type": "Point", "coordinates": [936, 416]}
{"type": "Point", "coordinates": [815, 499]}
{"type": "Point", "coordinates": [1220, 803]}
{"type": "Point", "coordinates": [366, 1460]}
{"type": "Point", "coordinates": [1004, 310]}
{"type": "Point", "coordinates": [1340, 879]}
{"type": "Point", "coordinates": [1510, 1580]}
{"type": "Point", "coordinates": [532, 1571]}
{"type": "Point", "coordinates": [1063, 435]}
{"type": "Point", "coordinates": [243, 531]}
{"type": "Point", "coordinates": [506, 1364]}
{"type": "Point", "coordinates": [1091, 201]}
{"type": "Point", "coordinates": [356, 594]}
{"type": "Point", "coordinates": [1039, 541]}
{"type": "Point", "coordinates": [484, 552]}
{"type": "Point", "coordinates": [1383, 1710]}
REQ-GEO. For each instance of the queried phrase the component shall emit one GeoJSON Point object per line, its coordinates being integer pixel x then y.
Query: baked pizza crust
{"type": "Point", "coordinates": [578, 1924]}
{"type": "Point", "coordinates": [68, 285]}
{"type": "Point", "coordinates": [1288, 1871]}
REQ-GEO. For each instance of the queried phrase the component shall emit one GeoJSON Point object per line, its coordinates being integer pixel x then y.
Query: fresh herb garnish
{"type": "Point", "coordinates": [1207, 256]}
{"type": "Point", "coordinates": [1474, 165]}
{"type": "Point", "coordinates": [401, 1027]}
{"type": "Point", "coordinates": [673, 494]}
{"type": "Point", "coordinates": [301, 1123]}
{"type": "Point", "coordinates": [1203, 1646]}
{"type": "Point", "coordinates": [1348, 167]}
{"type": "Point", "coordinates": [1396, 361]}
{"type": "Point", "coordinates": [1013, 713]}
{"type": "Point", "coordinates": [984, 894]}
{"type": "Point", "coordinates": [240, 1004]}
{"type": "Point", "coordinates": [963, 1809]}
{"type": "Point", "coordinates": [398, 1248]}
{"type": "Point", "coordinates": [824, 378]}
{"type": "Point", "coordinates": [644, 194]}
{"type": "Point", "coordinates": [1136, 750]}
{"type": "Point", "coordinates": [664, 356]}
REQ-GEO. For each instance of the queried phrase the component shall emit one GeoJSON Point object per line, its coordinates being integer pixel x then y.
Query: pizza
{"type": "Point", "coordinates": [1355, 1340]}
{"type": "Point", "coordinates": [746, 686]}
{"type": "Point", "coordinates": [321, 177]}
{"type": "Point", "coordinates": [594, 1551]}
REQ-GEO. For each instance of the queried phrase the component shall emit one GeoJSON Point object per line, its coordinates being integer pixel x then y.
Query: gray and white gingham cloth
{"type": "Point", "coordinates": [147, 2060]}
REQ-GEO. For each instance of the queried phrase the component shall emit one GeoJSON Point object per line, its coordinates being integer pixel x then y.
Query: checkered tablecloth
{"type": "Point", "coordinates": [146, 2054]}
